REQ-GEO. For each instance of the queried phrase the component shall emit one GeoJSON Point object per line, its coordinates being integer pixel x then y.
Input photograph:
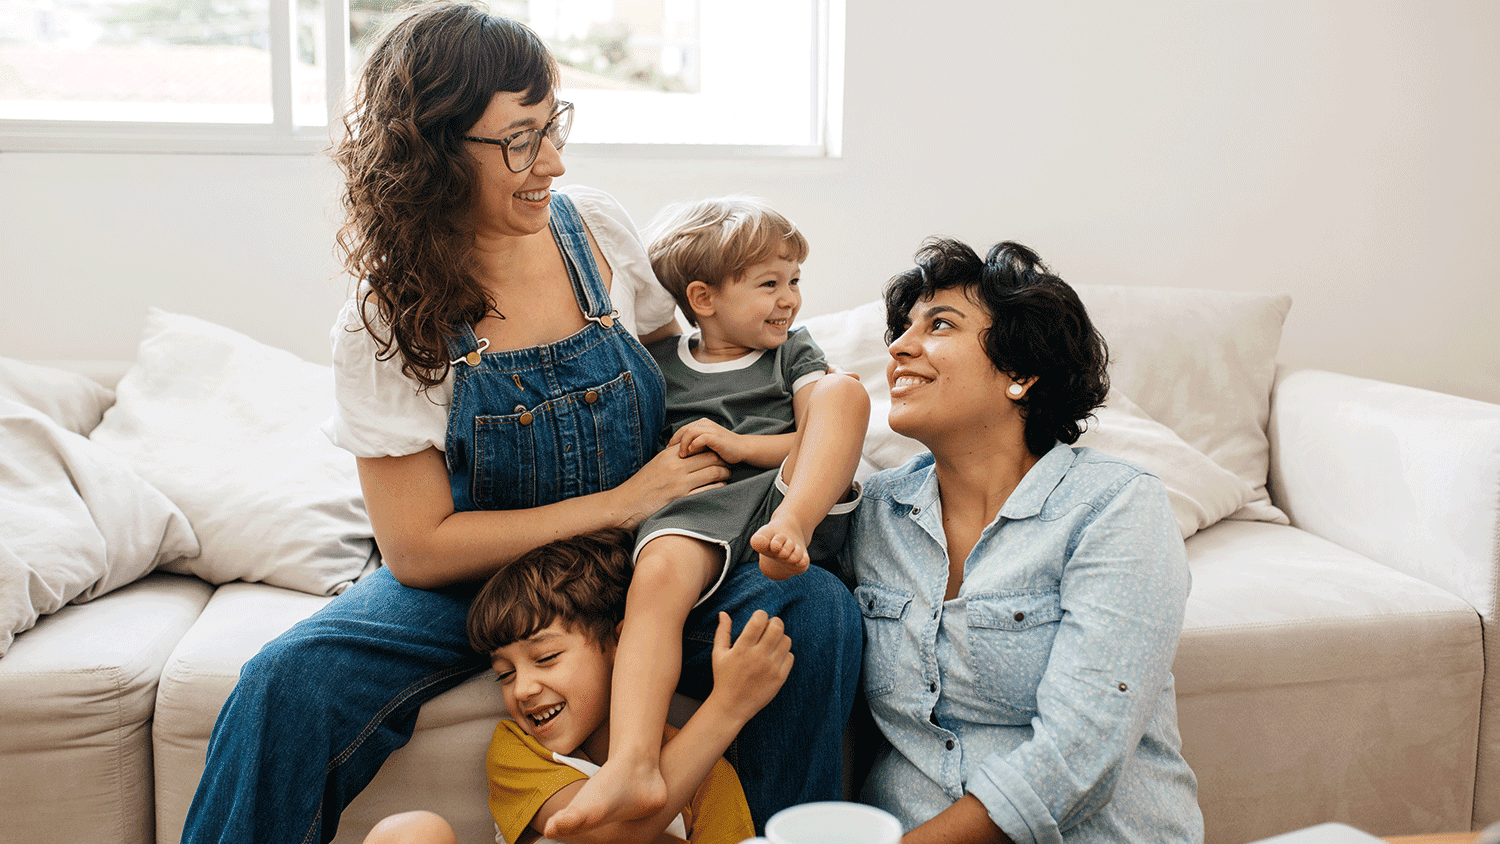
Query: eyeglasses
{"type": "Point", "coordinates": [520, 150]}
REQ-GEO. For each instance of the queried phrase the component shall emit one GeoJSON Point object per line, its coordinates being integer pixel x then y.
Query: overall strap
{"type": "Point", "coordinates": [573, 240]}
{"type": "Point", "coordinates": [465, 347]}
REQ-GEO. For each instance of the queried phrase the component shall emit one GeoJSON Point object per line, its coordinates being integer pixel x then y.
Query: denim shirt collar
{"type": "Point", "coordinates": [919, 487]}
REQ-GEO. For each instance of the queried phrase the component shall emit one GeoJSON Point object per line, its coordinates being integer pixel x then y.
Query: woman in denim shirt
{"type": "Point", "coordinates": [1022, 598]}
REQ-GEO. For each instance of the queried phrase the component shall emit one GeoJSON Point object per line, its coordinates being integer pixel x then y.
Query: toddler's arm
{"type": "Point", "coordinates": [763, 450]}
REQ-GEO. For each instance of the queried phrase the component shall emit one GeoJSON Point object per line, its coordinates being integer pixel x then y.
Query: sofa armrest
{"type": "Point", "coordinates": [1405, 476]}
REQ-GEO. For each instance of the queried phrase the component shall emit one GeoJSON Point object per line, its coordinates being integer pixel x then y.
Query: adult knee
{"type": "Point", "coordinates": [823, 613]}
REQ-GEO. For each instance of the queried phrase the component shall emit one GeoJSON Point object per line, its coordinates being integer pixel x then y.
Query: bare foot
{"type": "Point", "coordinates": [782, 547]}
{"type": "Point", "coordinates": [611, 794]}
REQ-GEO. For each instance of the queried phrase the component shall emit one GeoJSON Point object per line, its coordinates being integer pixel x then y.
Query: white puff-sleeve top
{"type": "Point", "coordinates": [380, 412]}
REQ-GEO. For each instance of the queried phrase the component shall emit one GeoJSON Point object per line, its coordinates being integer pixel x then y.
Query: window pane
{"type": "Point", "coordinates": [139, 60]}
{"type": "Point", "coordinates": [310, 70]}
{"type": "Point", "coordinates": [668, 71]}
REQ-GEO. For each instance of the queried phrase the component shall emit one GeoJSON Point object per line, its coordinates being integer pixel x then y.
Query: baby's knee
{"type": "Point", "coordinates": [419, 827]}
{"type": "Point", "coordinates": [842, 390]}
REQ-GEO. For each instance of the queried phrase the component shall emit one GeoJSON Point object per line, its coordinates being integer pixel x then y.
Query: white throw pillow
{"type": "Point", "coordinates": [1200, 362]}
{"type": "Point", "coordinates": [75, 520]}
{"type": "Point", "coordinates": [1200, 490]}
{"type": "Point", "coordinates": [227, 427]}
{"type": "Point", "coordinates": [74, 401]}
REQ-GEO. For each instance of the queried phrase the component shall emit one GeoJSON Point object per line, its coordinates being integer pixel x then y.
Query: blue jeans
{"type": "Point", "coordinates": [317, 711]}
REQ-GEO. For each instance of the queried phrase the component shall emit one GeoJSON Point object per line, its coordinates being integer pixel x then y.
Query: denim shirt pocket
{"type": "Point", "coordinates": [1010, 637]}
{"type": "Point", "coordinates": [885, 636]}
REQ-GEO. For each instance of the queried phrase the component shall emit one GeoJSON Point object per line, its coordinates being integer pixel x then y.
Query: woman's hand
{"type": "Point", "coordinates": [665, 478]}
{"type": "Point", "coordinates": [749, 672]}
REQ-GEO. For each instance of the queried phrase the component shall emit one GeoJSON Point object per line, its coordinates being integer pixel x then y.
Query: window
{"type": "Point", "coordinates": [257, 75]}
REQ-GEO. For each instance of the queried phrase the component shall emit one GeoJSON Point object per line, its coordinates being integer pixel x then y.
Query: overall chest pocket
{"type": "Point", "coordinates": [1010, 637]}
{"type": "Point", "coordinates": [887, 641]}
{"type": "Point", "coordinates": [576, 444]}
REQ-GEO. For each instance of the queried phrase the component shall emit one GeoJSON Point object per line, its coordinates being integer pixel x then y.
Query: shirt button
{"type": "Point", "coordinates": [949, 745]}
{"type": "Point", "coordinates": [1020, 616]}
{"type": "Point", "coordinates": [1123, 687]}
{"type": "Point", "coordinates": [935, 612]}
{"type": "Point", "coordinates": [871, 605]}
{"type": "Point", "coordinates": [591, 396]}
{"type": "Point", "coordinates": [916, 510]}
{"type": "Point", "coordinates": [932, 687]}
{"type": "Point", "coordinates": [525, 418]}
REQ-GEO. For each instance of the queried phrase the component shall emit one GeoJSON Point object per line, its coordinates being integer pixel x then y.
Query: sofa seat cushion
{"type": "Point", "coordinates": [1369, 677]}
{"type": "Point", "coordinates": [77, 693]}
{"type": "Point", "coordinates": [441, 769]}
{"type": "Point", "coordinates": [197, 679]}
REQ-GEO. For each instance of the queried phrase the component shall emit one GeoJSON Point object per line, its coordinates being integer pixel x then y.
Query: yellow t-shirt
{"type": "Point", "coordinates": [523, 775]}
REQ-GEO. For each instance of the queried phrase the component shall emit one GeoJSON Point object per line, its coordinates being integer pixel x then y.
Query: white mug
{"type": "Point", "coordinates": [831, 822]}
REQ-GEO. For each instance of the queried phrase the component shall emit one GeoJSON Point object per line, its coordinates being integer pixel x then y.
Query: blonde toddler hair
{"type": "Point", "coordinates": [715, 240]}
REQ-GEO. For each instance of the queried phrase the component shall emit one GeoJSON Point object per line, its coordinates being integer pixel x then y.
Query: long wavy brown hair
{"type": "Point", "coordinates": [409, 183]}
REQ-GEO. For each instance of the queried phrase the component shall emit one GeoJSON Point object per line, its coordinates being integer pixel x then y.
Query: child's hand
{"type": "Point", "coordinates": [748, 673]}
{"type": "Point", "coordinates": [707, 435]}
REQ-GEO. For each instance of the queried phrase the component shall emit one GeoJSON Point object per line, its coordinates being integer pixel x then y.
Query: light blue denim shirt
{"type": "Point", "coordinates": [1045, 687]}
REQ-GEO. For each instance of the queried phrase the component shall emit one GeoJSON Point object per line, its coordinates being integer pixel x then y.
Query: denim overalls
{"type": "Point", "coordinates": [318, 710]}
{"type": "Point", "coordinates": [534, 426]}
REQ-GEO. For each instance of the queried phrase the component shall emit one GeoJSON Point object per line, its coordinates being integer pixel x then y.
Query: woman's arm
{"type": "Point", "coordinates": [426, 544]}
{"type": "Point", "coordinates": [965, 822]}
{"type": "Point", "coordinates": [1122, 593]}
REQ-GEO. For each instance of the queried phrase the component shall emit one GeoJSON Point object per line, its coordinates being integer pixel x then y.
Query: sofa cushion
{"type": "Point", "coordinates": [76, 521]}
{"type": "Point", "coordinates": [442, 769]}
{"type": "Point", "coordinates": [1202, 363]}
{"type": "Point", "coordinates": [77, 694]}
{"type": "Point", "coordinates": [74, 401]}
{"type": "Point", "coordinates": [1310, 676]}
{"type": "Point", "coordinates": [228, 428]}
{"type": "Point", "coordinates": [198, 677]}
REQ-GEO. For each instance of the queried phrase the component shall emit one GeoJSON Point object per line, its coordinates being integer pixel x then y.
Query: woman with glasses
{"type": "Point", "coordinates": [491, 381]}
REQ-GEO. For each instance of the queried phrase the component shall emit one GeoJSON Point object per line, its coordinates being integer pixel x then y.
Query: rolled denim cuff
{"type": "Point", "coordinates": [1013, 805]}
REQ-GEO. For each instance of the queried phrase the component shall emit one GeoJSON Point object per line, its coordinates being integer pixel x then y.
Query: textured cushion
{"type": "Point", "coordinates": [1315, 680]}
{"type": "Point", "coordinates": [76, 521]}
{"type": "Point", "coordinates": [1200, 362]}
{"type": "Point", "coordinates": [228, 428]}
{"type": "Point", "coordinates": [77, 694]}
{"type": "Point", "coordinates": [74, 401]}
{"type": "Point", "coordinates": [1201, 491]}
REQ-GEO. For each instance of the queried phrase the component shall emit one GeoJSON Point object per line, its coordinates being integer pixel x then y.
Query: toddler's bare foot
{"type": "Point", "coordinates": [611, 794]}
{"type": "Point", "coordinates": [782, 547]}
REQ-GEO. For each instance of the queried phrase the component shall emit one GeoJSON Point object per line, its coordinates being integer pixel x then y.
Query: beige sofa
{"type": "Point", "coordinates": [1342, 535]}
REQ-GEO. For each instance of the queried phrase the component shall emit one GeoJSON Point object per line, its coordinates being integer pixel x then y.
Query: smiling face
{"type": "Point", "coordinates": [507, 203]}
{"type": "Point", "coordinates": [754, 310]}
{"type": "Point", "coordinates": [556, 685]}
{"type": "Point", "coordinates": [944, 388]}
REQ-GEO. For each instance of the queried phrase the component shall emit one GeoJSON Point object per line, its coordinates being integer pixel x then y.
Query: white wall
{"type": "Point", "coordinates": [1344, 151]}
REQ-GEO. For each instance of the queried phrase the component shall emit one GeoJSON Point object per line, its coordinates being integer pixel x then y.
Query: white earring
{"type": "Point", "coordinates": [1015, 390]}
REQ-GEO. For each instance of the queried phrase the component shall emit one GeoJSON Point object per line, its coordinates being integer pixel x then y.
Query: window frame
{"type": "Point", "coordinates": [283, 137]}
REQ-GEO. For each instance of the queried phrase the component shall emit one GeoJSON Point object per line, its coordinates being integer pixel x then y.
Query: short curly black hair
{"type": "Point", "coordinates": [1038, 329]}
